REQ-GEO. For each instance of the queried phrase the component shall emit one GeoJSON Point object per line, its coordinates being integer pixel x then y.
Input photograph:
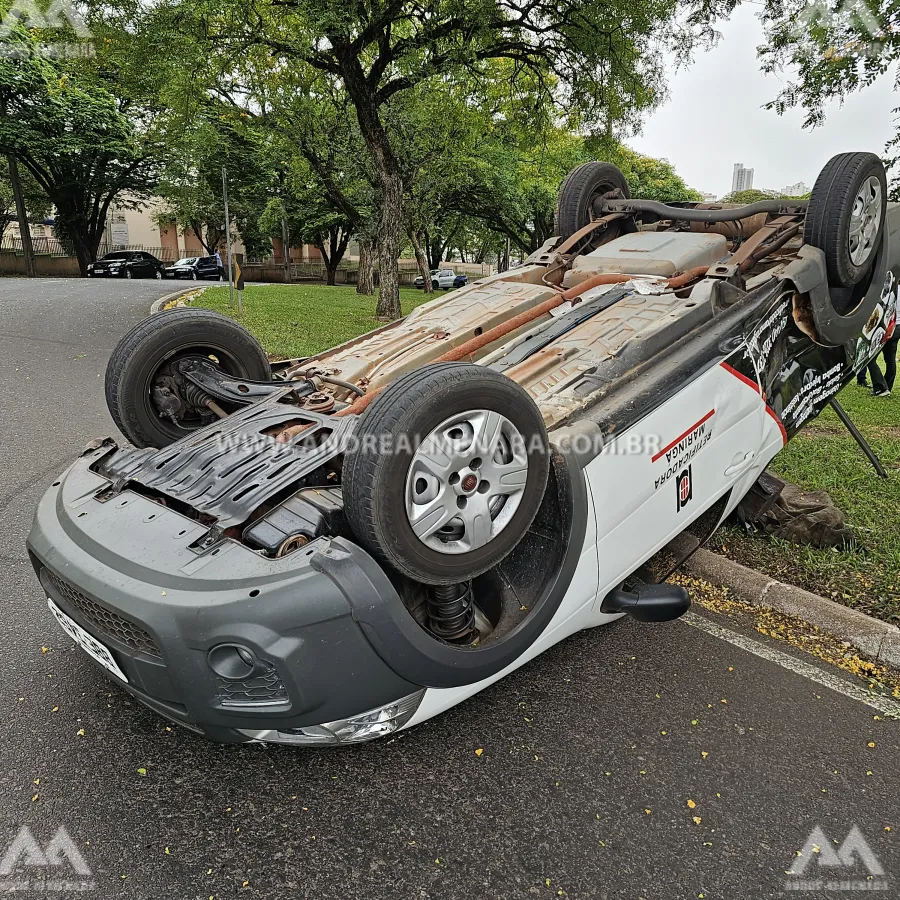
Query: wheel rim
{"type": "Point", "coordinates": [466, 481]}
{"type": "Point", "coordinates": [865, 221]}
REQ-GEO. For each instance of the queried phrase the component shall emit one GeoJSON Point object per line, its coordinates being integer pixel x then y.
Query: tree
{"type": "Point", "coordinates": [752, 195]}
{"type": "Point", "coordinates": [191, 186]}
{"type": "Point", "coordinates": [37, 207]}
{"type": "Point", "coordinates": [832, 48]}
{"type": "Point", "coordinates": [76, 129]}
{"type": "Point", "coordinates": [649, 178]}
{"type": "Point", "coordinates": [602, 58]}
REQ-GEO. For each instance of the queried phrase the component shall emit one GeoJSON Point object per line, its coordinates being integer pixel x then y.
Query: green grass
{"type": "Point", "coordinates": [300, 320]}
{"type": "Point", "coordinates": [824, 457]}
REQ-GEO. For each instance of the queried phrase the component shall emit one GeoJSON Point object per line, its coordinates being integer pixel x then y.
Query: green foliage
{"type": "Point", "coordinates": [651, 179]}
{"type": "Point", "coordinates": [78, 131]}
{"type": "Point", "coordinates": [752, 195]}
{"type": "Point", "coordinates": [191, 186]}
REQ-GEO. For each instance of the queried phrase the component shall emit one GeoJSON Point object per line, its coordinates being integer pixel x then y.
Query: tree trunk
{"type": "Point", "coordinates": [389, 228]}
{"type": "Point", "coordinates": [365, 278]}
{"type": "Point", "coordinates": [387, 176]}
{"type": "Point", "coordinates": [415, 238]}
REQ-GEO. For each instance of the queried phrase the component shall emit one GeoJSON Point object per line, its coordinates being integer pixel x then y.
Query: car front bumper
{"type": "Point", "coordinates": [125, 571]}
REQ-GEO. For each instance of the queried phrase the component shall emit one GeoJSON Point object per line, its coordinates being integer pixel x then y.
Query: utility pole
{"type": "Point", "coordinates": [22, 215]}
{"type": "Point", "coordinates": [286, 245]}
{"type": "Point", "coordinates": [228, 237]}
{"type": "Point", "coordinates": [285, 233]}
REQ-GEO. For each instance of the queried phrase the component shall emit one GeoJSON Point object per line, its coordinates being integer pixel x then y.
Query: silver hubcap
{"type": "Point", "coordinates": [466, 481]}
{"type": "Point", "coordinates": [865, 221]}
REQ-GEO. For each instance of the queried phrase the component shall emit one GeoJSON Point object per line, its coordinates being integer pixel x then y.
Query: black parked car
{"type": "Point", "coordinates": [195, 268]}
{"type": "Point", "coordinates": [460, 281]}
{"type": "Point", "coordinates": [126, 264]}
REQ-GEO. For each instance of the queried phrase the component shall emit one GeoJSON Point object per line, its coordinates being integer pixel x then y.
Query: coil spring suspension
{"type": "Point", "coordinates": [451, 611]}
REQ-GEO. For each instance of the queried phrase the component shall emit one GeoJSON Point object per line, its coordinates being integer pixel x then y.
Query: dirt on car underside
{"type": "Point", "coordinates": [549, 357]}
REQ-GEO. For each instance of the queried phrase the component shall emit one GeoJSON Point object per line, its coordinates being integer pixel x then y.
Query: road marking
{"type": "Point", "coordinates": [797, 666]}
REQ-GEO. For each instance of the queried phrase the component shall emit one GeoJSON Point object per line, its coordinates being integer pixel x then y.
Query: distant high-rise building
{"type": "Point", "coordinates": [796, 190]}
{"type": "Point", "coordinates": [742, 180]}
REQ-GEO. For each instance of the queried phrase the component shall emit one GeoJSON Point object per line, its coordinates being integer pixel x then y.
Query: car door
{"type": "Point", "coordinates": [666, 470]}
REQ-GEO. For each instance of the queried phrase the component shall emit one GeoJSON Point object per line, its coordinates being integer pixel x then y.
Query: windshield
{"type": "Point", "coordinates": [117, 256]}
{"type": "Point", "coordinates": [187, 261]}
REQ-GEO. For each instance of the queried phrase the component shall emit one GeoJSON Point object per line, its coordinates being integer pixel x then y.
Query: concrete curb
{"type": "Point", "coordinates": [157, 305]}
{"type": "Point", "coordinates": [878, 640]}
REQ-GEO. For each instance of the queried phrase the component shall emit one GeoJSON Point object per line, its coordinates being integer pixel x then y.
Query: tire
{"type": "Point", "coordinates": [376, 484]}
{"type": "Point", "coordinates": [137, 359]}
{"type": "Point", "coordinates": [580, 191]}
{"type": "Point", "coordinates": [158, 275]}
{"type": "Point", "coordinates": [830, 216]}
{"type": "Point", "coordinates": [435, 286]}
{"type": "Point", "coordinates": [129, 274]}
{"type": "Point", "coordinates": [193, 276]}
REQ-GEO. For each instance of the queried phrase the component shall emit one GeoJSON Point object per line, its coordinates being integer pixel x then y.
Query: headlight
{"type": "Point", "coordinates": [365, 727]}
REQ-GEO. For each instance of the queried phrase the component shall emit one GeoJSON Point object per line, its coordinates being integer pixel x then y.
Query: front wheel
{"type": "Point", "coordinates": [128, 274]}
{"type": "Point", "coordinates": [159, 275]}
{"type": "Point", "coordinates": [193, 276]}
{"type": "Point", "coordinates": [144, 391]}
{"type": "Point", "coordinates": [446, 473]}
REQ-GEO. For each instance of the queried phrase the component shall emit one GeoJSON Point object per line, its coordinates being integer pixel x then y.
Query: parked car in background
{"type": "Point", "coordinates": [443, 278]}
{"type": "Point", "coordinates": [126, 264]}
{"type": "Point", "coordinates": [196, 268]}
{"type": "Point", "coordinates": [460, 281]}
{"type": "Point", "coordinates": [420, 281]}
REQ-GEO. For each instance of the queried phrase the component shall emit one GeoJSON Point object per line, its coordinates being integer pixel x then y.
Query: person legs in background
{"type": "Point", "coordinates": [890, 360]}
{"type": "Point", "coordinates": [879, 384]}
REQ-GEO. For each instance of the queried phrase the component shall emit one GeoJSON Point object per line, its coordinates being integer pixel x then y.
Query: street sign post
{"type": "Point", "coordinates": [228, 237]}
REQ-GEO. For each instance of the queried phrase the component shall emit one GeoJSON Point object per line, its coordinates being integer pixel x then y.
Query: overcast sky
{"type": "Point", "coordinates": [714, 118]}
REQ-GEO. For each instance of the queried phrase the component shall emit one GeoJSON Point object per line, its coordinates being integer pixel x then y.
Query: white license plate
{"type": "Point", "coordinates": [87, 642]}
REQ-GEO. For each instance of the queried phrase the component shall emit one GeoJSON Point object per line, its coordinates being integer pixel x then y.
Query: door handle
{"type": "Point", "coordinates": [743, 464]}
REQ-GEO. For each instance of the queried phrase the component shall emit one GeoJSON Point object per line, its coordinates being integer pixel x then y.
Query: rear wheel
{"type": "Point", "coordinates": [144, 392]}
{"type": "Point", "coordinates": [846, 221]}
{"type": "Point", "coordinates": [581, 196]}
{"type": "Point", "coordinates": [846, 215]}
{"type": "Point", "coordinates": [447, 472]}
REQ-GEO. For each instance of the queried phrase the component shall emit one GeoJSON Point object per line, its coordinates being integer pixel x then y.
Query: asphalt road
{"type": "Point", "coordinates": [590, 753]}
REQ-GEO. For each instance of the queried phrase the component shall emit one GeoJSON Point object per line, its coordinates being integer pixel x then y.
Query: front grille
{"type": "Point", "coordinates": [261, 690]}
{"type": "Point", "coordinates": [103, 621]}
